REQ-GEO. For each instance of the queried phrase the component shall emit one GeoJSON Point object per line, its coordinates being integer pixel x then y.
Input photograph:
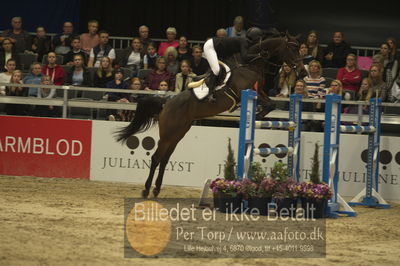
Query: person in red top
{"type": "Point", "coordinates": [56, 72]}
{"type": "Point", "coordinates": [154, 78]}
{"type": "Point", "coordinates": [171, 41]}
{"type": "Point", "coordinates": [350, 75]}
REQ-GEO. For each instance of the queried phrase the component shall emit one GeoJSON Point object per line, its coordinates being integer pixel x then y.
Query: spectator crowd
{"type": "Point", "coordinates": [89, 60]}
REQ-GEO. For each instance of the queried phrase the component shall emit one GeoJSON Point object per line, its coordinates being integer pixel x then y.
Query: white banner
{"type": "Point", "coordinates": [201, 154]}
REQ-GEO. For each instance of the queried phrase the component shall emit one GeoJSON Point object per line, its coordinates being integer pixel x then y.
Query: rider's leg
{"type": "Point", "coordinates": [212, 58]}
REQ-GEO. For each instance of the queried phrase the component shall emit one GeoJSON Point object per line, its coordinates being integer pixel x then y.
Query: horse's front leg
{"type": "Point", "coordinates": [267, 107]}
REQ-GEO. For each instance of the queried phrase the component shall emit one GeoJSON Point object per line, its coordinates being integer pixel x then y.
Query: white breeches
{"type": "Point", "coordinates": [211, 56]}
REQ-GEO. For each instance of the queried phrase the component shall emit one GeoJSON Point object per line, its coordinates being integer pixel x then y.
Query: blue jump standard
{"type": "Point", "coordinates": [248, 124]}
{"type": "Point", "coordinates": [331, 157]}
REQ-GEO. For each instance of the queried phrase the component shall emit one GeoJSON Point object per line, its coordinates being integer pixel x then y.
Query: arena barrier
{"type": "Point", "coordinates": [248, 124]}
{"type": "Point", "coordinates": [369, 196]}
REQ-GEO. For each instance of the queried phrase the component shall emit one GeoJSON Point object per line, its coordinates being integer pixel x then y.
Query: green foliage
{"type": "Point", "coordinates": [230, 164]}
{"type": "Point", "coordinates": [257, 172]}
{"type": "Point", "coordinates": [279, 172]}
{"type": "Point", "coordinates": [314, 176]}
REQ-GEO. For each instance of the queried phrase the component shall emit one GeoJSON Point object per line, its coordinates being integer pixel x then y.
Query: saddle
{"type": "Point", "coordinates": [200, 87]}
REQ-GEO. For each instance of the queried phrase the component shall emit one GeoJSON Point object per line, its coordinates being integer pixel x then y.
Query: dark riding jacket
{"type": "Point", "coordinates": [228, 46]}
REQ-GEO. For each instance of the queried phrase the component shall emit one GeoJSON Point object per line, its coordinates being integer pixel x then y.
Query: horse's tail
{"type": "Point", "coordinates": [146, 115]}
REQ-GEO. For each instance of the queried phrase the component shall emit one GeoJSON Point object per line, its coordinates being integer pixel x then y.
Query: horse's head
{"type": "Point", "coordinates": [290, 54]}
{"type": "Point", "coordinates": [282, 49]}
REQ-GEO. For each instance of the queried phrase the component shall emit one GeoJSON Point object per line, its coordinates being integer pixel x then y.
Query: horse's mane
{"type": "Point", "coordinates": [256, 48]}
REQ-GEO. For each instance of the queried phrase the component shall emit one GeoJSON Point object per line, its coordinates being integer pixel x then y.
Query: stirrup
{"type": "Point", "coordinates": [200, 77]}
{"type": "Point", "coordinates": [196, 84]}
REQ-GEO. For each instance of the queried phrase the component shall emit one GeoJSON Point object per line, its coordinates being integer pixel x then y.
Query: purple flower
{"type": "Point", "coordinates": [315, 191]}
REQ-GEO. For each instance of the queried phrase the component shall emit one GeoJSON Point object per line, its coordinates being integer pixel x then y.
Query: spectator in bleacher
{"type": "Point", "coordinates": [170, 57]}
{"type": "Point", "coordinates": [127, 115]}
{"type": "Point", "coordinates": [221, 33]}
{"type": "Point", "coordinates": [336, 87]}
{"type": "Point", "coordinates": [133, 59]}
{"type": "Point", "coordinates": [62, 41]}
{"type": "Point", "coordinates": [390, 64]}
{"type": "Point", "coordinates": [237, 29]}
{"type": "Point", "coordinates": [6, 76]}
{"type": "Point", "coordinates": [314, 49]}
{"type": "Point", "coordinates": [378, 85]}
{"type": "Point", "coordinates": [336, 52]}
{"type": "Point", "coordinates": [163, 86]}
{"type": "Point", "coordinates": [300, 88]}
{"type": "Point", "coordinates": [198, 64]}
{"type": "Point", "coordinates": [20, 38]}
{"type": "Point", "coordinates": [144, 37]}
{"type": "Point", "coordinates": [91, 39]}
{"type": "Point", "coordinates": [184, 77]}
{"type": "Point", "coordinates": [149, 59]}
{"type": "Point", "coordinates": [102, 49]}
{"type": "Point", "coordinates": [315, 82]}
{"type": "Point", "coordinates": [366, 91]}
{"type": "Point", "coordinates": [16, 109]}
{"type": "Point", "coordinates": [35, 77]}
{"type": "Point", "coordinates": [304, 54]}
{"type": "Point", "coordinates": [46, 93]}
{"type": "Point", "coordinates": [76, 49]}
{"type": "Point", "coordinates": [284, 82]}
{"type": "Point", "coordinates": [55, 71]}
{"type": "Point", "coordinates": [118, 82]}
{"type": "Point", "coordinates": [349, 75]}
{"type": "Point", "coordinates": [160, 73]}
{"type": "Point", "coordinates": [392, 42]}
{"type": "Point", "coordinates": [184, 51]}
{"type": "Point", "coordinates": [171, 41]}
{"type": "Point", "coordinates": [8, 52]}
{"type": "Point", "coordinates": [389, 72]}
{"type": "Point", "coordinates": [103, 74]}
{"type": "Point", "coordinates": [41, 44]}
{"type": "Point", "coordinates": [78, 74]}
{"type": "Point", "coordinates": [135, 84]}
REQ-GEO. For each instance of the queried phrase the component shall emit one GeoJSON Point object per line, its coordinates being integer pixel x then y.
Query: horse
{"type": "Point", "coordinates": [175, 115]}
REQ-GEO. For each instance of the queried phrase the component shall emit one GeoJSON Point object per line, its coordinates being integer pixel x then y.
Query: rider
{"type": "Point", "coordinates": [220, 48]}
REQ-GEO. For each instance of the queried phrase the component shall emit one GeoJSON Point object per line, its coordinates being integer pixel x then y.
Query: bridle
{"type": "Point", "coordinates": [275, 67]}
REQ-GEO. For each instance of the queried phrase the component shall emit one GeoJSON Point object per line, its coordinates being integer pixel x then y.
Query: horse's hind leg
{"type": "Point", "coordinates": [163, 164]}
{"type": "Point", "coordinates": [155, 161]}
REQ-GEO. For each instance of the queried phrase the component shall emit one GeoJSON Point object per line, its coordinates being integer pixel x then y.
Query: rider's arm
{"type": "Point", "coordinates": [244, 46]}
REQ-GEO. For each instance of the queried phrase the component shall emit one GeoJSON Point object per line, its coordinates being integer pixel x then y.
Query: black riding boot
{"type": "Point", "coordinates": [212, 83]}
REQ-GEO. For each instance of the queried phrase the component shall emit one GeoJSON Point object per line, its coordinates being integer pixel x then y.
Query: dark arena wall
{"type": "Point", "coordinates": [363, 24]}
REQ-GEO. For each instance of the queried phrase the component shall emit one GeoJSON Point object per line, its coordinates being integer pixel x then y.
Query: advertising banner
{"type": "Point", "coordinates": [202, 152]}
{"type": "Point", "coordinates": [45, 147]}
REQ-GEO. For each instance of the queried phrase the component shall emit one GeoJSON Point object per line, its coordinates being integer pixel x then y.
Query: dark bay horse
{"type": "Point", "coordinates": [175, 115]}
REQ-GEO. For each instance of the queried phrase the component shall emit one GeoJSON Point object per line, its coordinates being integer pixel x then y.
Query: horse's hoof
{"type": "Point", "coordinates": [145, 193]}
{"type": "Point", "coordinates": [156, 191]}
